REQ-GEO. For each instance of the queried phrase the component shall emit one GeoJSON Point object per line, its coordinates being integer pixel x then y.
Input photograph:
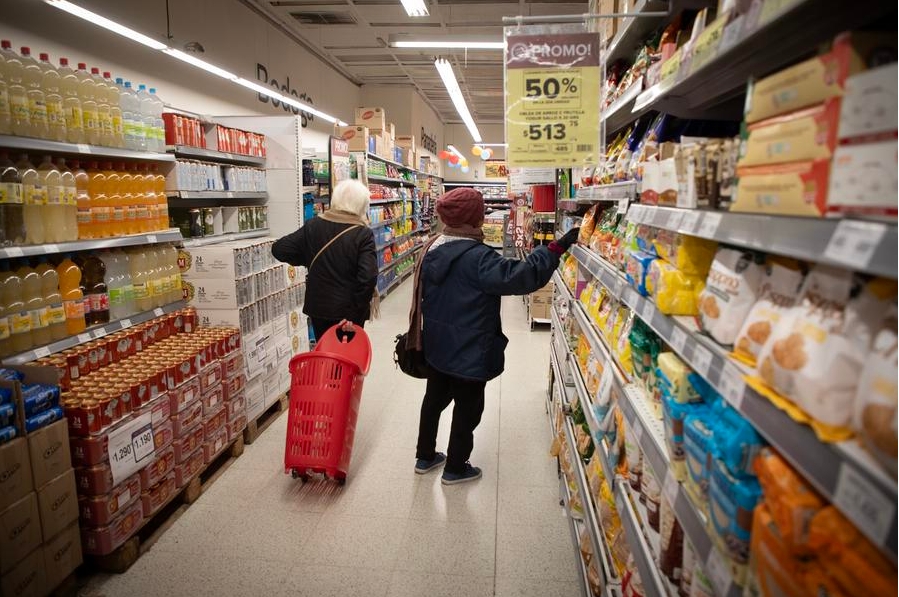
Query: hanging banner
{"type": "Point", "coordinates": [552, 89]}
{"type": "Point", "coordinates": [339, 155]}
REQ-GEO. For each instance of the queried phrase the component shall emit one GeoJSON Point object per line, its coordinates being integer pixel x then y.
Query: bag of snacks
{"type": "Point", "coordinates": [674, 292]}
{"type": "Point", "coordinates": [731, 289]}
{"type": "Point", "coordinates": [637, 269]}
{"type": "Point", "coordinates": [778, 291]}
{"type": "Point", "coordinates": [689, 254]}
{"type": "Point", "coordinates": [587, 226]}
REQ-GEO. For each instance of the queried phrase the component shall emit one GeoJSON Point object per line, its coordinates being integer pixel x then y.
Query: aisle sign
{"type": "Point", "coordinates": [552, 89]}
{"type": "Point", "coordinates": [131, 447]}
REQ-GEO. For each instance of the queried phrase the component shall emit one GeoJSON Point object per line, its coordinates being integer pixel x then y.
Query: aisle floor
{"type": "Point", "coordinates": [388, 532]}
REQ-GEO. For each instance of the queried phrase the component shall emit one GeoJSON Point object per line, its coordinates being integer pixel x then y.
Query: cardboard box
{"type": "Point", "coordinates": [153, 498]}
{"type": "Point", "coordinates": [62, 554]}
{"type": "Point", "coordinates": [20, 531]}
{"type": "Point", "coordinates": [206, 293]}
{"type": "Point", "coordinates": [255, 400]}
{"type": "Point", "coordinates": [58, 503]}
{"type": "Point", "coordinates": [99, 511]}
{"type": "Point", "coordinates": [15, 472]}
{"type": "Point", "coordinates": [798, 189]}
{"type": "Point", "coordinates": [28, 579]}
{"type": "Point", "coordinates": [808, 134]}
{"type": "Point", "coordinates": [869, 104]}
{"type": "Point", "coordinates": [49, 452]}
{"type": "Point", "coordinates": [356, 136]}
{"type": "Point", "coordinates": [863, 179]}
{"type": "Point", "coordinates": [814, 80]}
{"type": "Point", "coordinates": [106, 539]}
{"type": "Point", "coordinates": [608, 27]}
{"type": "Point", "coordinates": [406, 142]}
{"type": "Point", "coordinates": [373, 118]}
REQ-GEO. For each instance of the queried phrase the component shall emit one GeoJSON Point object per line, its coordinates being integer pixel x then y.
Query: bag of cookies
{"type": "Point", "coordinates": [875, 402]}
{"type": "Point", "coordinates": [778, 291]}
{"type": "Point", "coordinates": [731, 289]}
{"type": "Point", "coordinates": [588, 224]}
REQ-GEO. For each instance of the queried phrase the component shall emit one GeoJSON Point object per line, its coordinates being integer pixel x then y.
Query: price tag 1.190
{"type": "Point", "coordinates": [864, 504]}
{"type": "Point", "coordinates": [853, 243]}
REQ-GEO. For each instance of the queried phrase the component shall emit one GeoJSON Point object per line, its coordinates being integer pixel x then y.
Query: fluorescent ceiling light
{"type": "Point", "coordinates": [106, 23]}
{"type": "Point", "coordinates": [453, 149]}
{"type": "Point", "coordinates": [188, 58]}
{"type": "Point", "coordinates": [449, 44]}
{"type": "Point", "coordinates": [415, 8]}
{"type": "Point", "coordinates": [455, 93]}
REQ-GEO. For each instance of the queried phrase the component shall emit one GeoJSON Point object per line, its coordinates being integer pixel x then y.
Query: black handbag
{"type": "Point", "coordinates": [409, 360]}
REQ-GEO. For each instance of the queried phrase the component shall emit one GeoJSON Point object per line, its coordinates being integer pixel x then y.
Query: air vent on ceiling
{"type": "Point", "coordinates": [309, 17]}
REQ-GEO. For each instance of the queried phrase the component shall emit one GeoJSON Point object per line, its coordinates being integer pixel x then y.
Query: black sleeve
{"type": "Point", "coordinates": [366, 270]}
{"type": "Point", "coordinates": [289, 249]}
{"type": "Point", "coordinates": [500, 276]}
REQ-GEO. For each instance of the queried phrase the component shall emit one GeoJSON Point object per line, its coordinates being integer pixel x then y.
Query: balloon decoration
{"type": "Point", "coordinates": [476, 150]}
{"type": "Point", "coordinates": [487, 153]}
{"type": "Point", "coordinates": [444, 154]}
{"type": "Point", "coordinates": [466, 169]}
{"type": "Point", "coordinates": [453, 159]}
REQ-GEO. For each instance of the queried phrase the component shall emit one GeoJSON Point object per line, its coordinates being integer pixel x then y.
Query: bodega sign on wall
{"type": "Point", "coordinates": [285, 89]}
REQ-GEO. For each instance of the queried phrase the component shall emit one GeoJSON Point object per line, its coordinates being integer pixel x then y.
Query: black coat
{"type": "Point", "coordinates": [341, 283]}
{"type": "Point", "coordinates": [462, 282]}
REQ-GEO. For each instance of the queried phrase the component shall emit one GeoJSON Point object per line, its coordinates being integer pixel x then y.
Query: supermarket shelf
{"type": "Point", "coordinates": [387, 222]}
{"type": "Point", "coordinates": [619, 113]}
{"type": "Point", "coordinates": [654, 584]}
{"type": "Point", "coordinates": [792, 30]}
{"type": "Point", "coordinates": [396, 282]}
{"type": "Point", "coordinates": [608, 192]}
{"type": "Point", "coordinates": [200, 153]}
{"type": "Point", "coordinates": [395, 240]}
{"type": "Point", "coordinates": [91, 334]}
{"type": "Point", "coordinates": [573, 525]}
{"type": "Point", "coordinates": [865, 246]}
{"type": "Point", "coordinates": [172, 235]}
{"type": "Point", "coordinates": [375, 156]}
{"type": "Point", "coordinates": [634, 30]}
{"type": "Point", "coordinates": [55, 147]}
{"type": "Point", "coordinates": [836, 470]}
{"type": "Point", "coordinates": [379, 178]}
{"type": "Point", "coordinates": [544, 216]}
{"type": "Point", "coordinates": [398, 258]}
{"type": "Point", "coordinates": [386, 201]}
{"type": "Point", "coordinates": [215, 195]}
{"type": "Point", "coordinates": [450, 183]}
{"type": "Point", "coordinates": [557, 372]}
{"type": "Point", "coordinates": [223, 238]}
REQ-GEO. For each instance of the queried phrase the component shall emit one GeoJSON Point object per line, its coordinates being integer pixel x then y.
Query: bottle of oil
{"type": "Point", "coordinates": [33, 77]}
{"type": "Point", "coordinates": [34, 197]}
{"type": "Point", "coordinates": [12, 217]}
{"type": "Point", "coordinates": [19, 113]}
{"type": "Point", "coordinates": [56, 116]}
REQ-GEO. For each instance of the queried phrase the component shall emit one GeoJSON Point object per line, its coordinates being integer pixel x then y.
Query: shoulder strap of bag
{"type": "Point", "coordinates": [322, 250]}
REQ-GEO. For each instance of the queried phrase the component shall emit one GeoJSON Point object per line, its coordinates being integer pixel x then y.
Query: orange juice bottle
{"type": "Point", "coordinates": [72, 296]}
{"type": "Point", "coordinates": [33, 299]}
{"type": "Point", "coordinates": [140, 193]}
{"type": "Point", "coordinates": [82, 201]}
{"type": "Point", "coordinates": [100, 212]}
{"type": "Point", "coordinates": [126, 201]}
{"type": "Point", "coordinates": [14, 306]}
{"type": "Point", "coordinates": [56, 313]}
{"type": "Point", "coordinates": [114, 192]}
{"type": "Point", "coordinates": [161, 200]}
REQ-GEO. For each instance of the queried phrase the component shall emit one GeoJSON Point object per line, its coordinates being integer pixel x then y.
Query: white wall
{"type": "Point", "coordinates": [458, 135]}
{"type": "Point", "coordinates": [234, 38]}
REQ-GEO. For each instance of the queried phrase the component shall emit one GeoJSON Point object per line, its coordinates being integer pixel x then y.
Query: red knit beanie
{"type": "Point", "coordinates": [460, 207]}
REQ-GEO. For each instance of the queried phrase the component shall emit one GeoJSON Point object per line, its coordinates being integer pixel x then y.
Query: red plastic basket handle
{"type": "Point", "coordinates": [356, 348]}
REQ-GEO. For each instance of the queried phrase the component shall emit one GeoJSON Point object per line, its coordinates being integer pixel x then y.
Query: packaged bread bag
{"type": "Point", "coordinates": [778, 292]}
{"type": "Point", "coordinates": [588, 224]}
{"type": "Point", "coordinates": [875, 401]}
{"type": "Point", "coordinates": [731, 289]}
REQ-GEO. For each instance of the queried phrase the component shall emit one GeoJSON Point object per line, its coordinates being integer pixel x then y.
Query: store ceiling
{"type": "Point", "coordinates": [352, 35]}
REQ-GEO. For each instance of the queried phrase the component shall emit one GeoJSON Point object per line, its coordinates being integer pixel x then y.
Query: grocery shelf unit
{"type": "Point", "coordinates": [713, 86]}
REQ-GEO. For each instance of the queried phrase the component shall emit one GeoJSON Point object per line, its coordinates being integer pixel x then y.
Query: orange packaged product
{"type": "Point", "coordinates": [212, 402]}
{"type": "Point", "coordinates": [236, 427]}
{"type": "Point", "coordinates": [184, 395]}
{"type": "Point", "coordinates": [233, 387]}
{"type": "Point", "coordinates": [852, 562]}
{"type": "Point", "coordinates": [588, 224]}
{"type": "Point", "coordinates": [153, 498]}
{"type": "Point", "coordinates": [99, 511]}
{"type": "Point", "coordinates": [210, 376]}
{"type": "Point", "coordinates": [236, 406]}
{"type": "Point", "coordinates": [215, 444]}
{"type": "Point", "coordinates": [106, 539]}
{"type": "Point", "coordinates": [215, 421]}
{"type": "Point", "coordinates": [187, 418]}
{"type": "Point", "coordinates": [188, 469]}
{"type": "Point", "coordinates": [163, 435]}
{"type": "Point", "coordinates": [777, 572]}
{"type": "Point", "coordinates": [154, 473]}
{"type": "Point", "coordinates": [185, 446]}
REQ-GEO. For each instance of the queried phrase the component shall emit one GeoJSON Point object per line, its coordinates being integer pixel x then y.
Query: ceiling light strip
{"type": "Point", "coordinates": [96, 19]}
{"type": "Point", "coordinates": [415, 8]}
{"type": "Point", "coordinates": [449, 44]}
{"type": "Point", "coordinates": [453, 149]}
{"type": "Point", "coordinates": [455, 93]}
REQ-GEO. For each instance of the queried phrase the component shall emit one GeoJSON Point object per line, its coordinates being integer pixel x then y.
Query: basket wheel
{"type": "Point", "coordinates": [341, 481]}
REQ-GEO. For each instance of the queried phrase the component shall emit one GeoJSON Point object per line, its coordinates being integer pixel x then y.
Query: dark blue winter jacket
{"type": "Point", "coordinates": [462, 282]}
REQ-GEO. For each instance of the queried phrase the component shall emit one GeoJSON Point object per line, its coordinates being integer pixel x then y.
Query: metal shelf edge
{"type": "Point", "coordinates": [148, 238]}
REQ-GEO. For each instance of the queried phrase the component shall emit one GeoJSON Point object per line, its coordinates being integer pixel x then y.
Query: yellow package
{"type": "Point", "coordinates": [592, 374]}
{"type": "Point", "coordinates": [676, 372]}
{"type": "Point", "coordinates": [622, 345]}
{"type": "Point", "coordinates": [606, 307]}
{"type": "Point", "coordinates": [596, 299]}
{"type": "Point", "coordinates": [587, 225]}
{"type": "Point", "coordinates": [674, 292]}
{"type": "Point", "coordinates": [587, 293]}
{"type": "Point", "coordinates": [689, 254]}
{"type": "Point", "coordinates": [583, 351]}
{"type": "Point", "coordinates": [569, 272]}
{"type": "Point", "coordinates": [777, 572]}
{"type": "Point", "coordinates": [620, 320]}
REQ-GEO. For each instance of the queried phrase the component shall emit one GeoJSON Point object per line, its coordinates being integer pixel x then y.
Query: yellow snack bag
{"type": "Point", "coordinates": [674, 292]}
{"type": "Point", "coordinates": [689, 254]}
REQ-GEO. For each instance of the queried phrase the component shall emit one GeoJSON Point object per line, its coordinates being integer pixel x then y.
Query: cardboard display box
{"type": "Point", "coordinates": [355, 136]}
{"type": "Point", "coordinates": [15, 472]}
{"type": "Point", "coordinates": [62, 554]}
{"type": "Point", "coordinates": [58, 504]}
{"type": "Point", "coordinates": [371, 117]}
{"type": "Point", "coordinates": [49, 453]}
{"type": "Point", "coordinates": [28, 579]}
{"type": "Point", "coordinates": [20, 531]}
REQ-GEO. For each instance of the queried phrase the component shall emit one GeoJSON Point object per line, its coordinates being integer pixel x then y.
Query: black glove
{"type": "Point", "coordinates": [569, 239]}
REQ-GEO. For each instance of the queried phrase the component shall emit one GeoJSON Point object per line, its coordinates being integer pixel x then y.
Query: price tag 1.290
{"type": "Point", "coordinates": [131, 447]}
{"type": "Point", "coordinates": [853, 243]}
{"type": "Point", "coordinates": [864, 504]}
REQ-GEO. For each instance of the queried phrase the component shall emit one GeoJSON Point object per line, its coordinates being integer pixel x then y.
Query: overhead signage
{"type": "Point", "coordinates": [552, 90]}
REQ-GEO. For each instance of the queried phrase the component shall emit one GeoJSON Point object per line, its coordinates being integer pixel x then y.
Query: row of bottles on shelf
{"type": "Point", "coordinates": [48, 302]}
{"type": "Point", "coordinates": [60, 201]}
{"type": "Point", "coordinates": [38, 99]}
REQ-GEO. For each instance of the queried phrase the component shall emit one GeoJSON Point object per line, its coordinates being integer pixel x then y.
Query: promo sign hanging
{"type": "Point", "coordinates": [552, 90]}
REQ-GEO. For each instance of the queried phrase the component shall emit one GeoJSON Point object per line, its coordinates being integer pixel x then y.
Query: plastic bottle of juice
{"type": "Point", "coordinates": [127, 114]}
{"type": "Point", "coordinates": [82, 201]}
{"type": "Point", "coordinates": [53, 210]}
{"type": "Point", "coordinates": [162, 202]}
{"type": "Point", "coordinates": [19, 113]}
{"type": "Point", "coordinates": [146, 106]}
{"type": "Point", "coordinates": [138, 199]}
{"type": "Point", "coordinates": [35, 198]}
{"type": "Point", "coordinates": [94, 283]}
{"type": "Point", "coordinates": [56, 313]}
{"type": "Point", "coordinates": [32, 77]}
{"type": "Point", "coordinates": [71, 102]}
{"type": "Point", "coordinates": [90, 117]}
{"type": "Point", "coordinates": [127, 285]}
{"type": "Point", "coordinates": [19, 317]}
{"type": "Point", "coordinates": [104, 113]}
{"type": "Point", "coordinates": [101, 213]}
{"type": "Point", "coordinates": [72, 296]}
{"type": "Point", "coordinates": [158, 122]}
{"type": "Point", "coordinates": [114, 197]}
{"type": "Point", "coordinates": [131, 108]}
{"type": "Point", "coordinates": [56, 116]}
{"type": "Point", "coordinates": [70, 199]}
{"type": "Point", "coordinates": [12, 218]}
{"type": "Point", "coordinates": [127, 202]}
{"type": "Point", "coordinates": [6, 348]}
{"type": "Point", "coordinates": [140, 277]}
{"type": "Point", "coordinates": [168, 274]}
{"type": "Point", "coordinates": [114, 283]}
{"type": "Point", "coordinates": [174, 272]}
{"type": "Point", "coordinates": [154, 287]}
{"type": "Point", "coordinates": [33, 299]}
{"type": "Point", "coordinates": [5, 122]}
{"type": "Point", "coordinates": [152, 206]}
{"type": "Point", "coordinates": [113, 98]}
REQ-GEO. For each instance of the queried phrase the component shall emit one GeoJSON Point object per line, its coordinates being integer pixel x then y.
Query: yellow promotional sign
{"type": "Point", "coordinates": [552, 99]}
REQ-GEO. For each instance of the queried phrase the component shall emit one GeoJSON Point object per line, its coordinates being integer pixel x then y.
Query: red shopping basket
{"type": "Point", "coordinates": [325, 388]}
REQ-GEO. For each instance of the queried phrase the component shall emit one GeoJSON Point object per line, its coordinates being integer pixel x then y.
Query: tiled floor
{"type": "Point", "coordinates": [388, 532]}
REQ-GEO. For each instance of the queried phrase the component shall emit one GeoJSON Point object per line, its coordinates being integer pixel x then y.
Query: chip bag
{"type": "Point", "coordinates": [689, 254]}
{"type": "Point", "coordinates": [674, 292]}
{"type": "Point", "coordinates": [731, 289]}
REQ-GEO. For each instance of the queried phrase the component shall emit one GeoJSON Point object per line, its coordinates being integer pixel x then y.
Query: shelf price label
{"type": "Point", "coordinates": [605, 384]}
{"type": "Point", "coordinates": [853, 243]}
{"type": "Point", "coordinates": [709, 225]}
{"type": "Point", "coordinates": [690, 221]}
{"type": "Point", "coordinates": [678, 339]}
{"type": "Point", "coordinates": [131, 447]}
{"type": "Point", "coordinates": [552, 98]}
{"type": "Point", "coordinates": [41, 352]}
{"type": "Point", "coordinates": [706, 46]}
{"type": "Point", "coordinates": [670, 487]}
{"type": "Point", "coordinates": [864, 504]}
{"type": "Point", "coordinates": [732, 385]}
{"type": "Point", "coordinates": [702, 358]}
{"type": "Point", "coordinates": [717, 571]}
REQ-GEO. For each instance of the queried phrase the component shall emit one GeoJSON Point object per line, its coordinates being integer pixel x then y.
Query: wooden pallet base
{"type": "Point", "coordinates": [261, 423]}
{"type": "Point", "coordinates": [152, 528]}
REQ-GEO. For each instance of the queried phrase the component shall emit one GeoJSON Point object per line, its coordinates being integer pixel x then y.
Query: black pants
{"type": "Point", "coordinates": [469, 398]}
{"type": "Point", "coordinates": [320, 326]}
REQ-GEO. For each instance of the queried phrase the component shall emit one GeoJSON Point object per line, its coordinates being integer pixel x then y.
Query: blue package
{"type": "Point", "coordinates": [732, 501]}
{"type": "Point", "coordinates": [43, 419]}
{"type": "Point", "coordinates": [636, 268]}
{"type": "Point", "coordinates": [7, 414]}
{"type": "Point", "coordinates": [737, 443]}
{"type": "Point", "coordinates": [7, 434]}
{"type": "Point", "coordinates": [38, 402]}
{"type": "Point", "coordinates": [11, 375]}
{"type": "Point", "coordinates": [5, 395]}
{"type": "Point", "coordinates": [699, 446]}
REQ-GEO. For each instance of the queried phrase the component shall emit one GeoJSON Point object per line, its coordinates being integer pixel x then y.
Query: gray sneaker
{"type": "Point", "coordinates": [423, 466]}
{"type": "Point", "coordinates": [471, 473]}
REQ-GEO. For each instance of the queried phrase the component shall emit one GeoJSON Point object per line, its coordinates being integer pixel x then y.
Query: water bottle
{"type": "Point", "coordinates": [158, 123]}
{"type": "Point", "coordinates": [146, 116]}
{"type": "Point", "coordinates": [130, 115]}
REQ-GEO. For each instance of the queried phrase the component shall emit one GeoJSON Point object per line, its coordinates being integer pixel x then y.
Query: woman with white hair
{"type": "Point", "coordinates": [338, 250]}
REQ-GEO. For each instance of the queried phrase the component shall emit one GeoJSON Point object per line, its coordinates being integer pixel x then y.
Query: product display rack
{"type": "Point", "coordinates": [402, 181]}
{"type": "Point", "coordinates": [29, 144]}
{"type": "Point", "coordinates": [396, 240]}
{"type": "Point", "coordinates": [387, 222]}
{"type": "Point", "coordinates": [224, 238]}
{"type": "Point", "coordinates": [91, 333]}
{"type": "Point", "coordinates": [201, 153]}
{"type": "Point", "coordinates": [212, 196]}
{"type": "Point", "coordinates": [834, 469]}
{"type": "Point", "coordinates": [172, 235]}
